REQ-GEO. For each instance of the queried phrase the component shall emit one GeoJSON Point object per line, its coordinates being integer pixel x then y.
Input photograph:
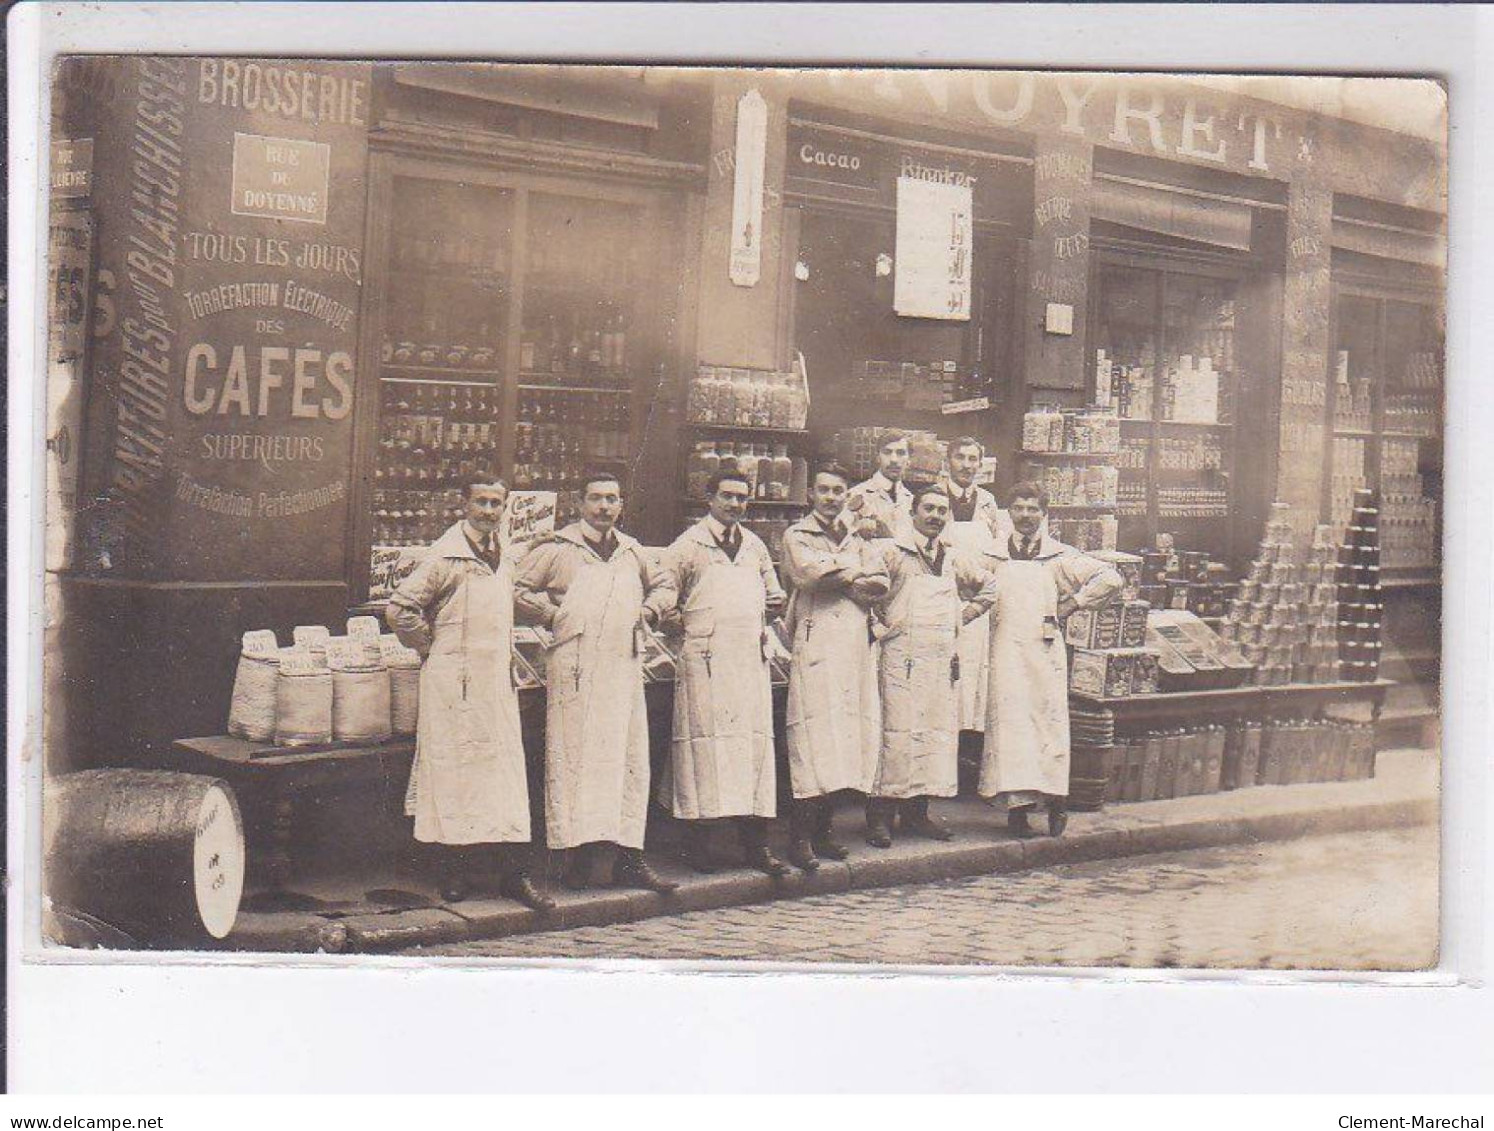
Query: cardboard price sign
{"type": "Point", "coordinates": [389, 566]}
{"type": "Point", "coordinates": [529, 515]}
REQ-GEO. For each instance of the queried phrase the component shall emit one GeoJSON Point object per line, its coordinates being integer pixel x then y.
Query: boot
{"type": "Point", "coordinates": [577, 875]}
{"type": "Point", "coordinates": [825, 846]}
{"type": "Point", "coordinates": [917, 822]}
{"type": "Point", "coordinates": [518, 886]}
{"type": "Point", "coordinates": [453, 885]}
{"type": "Point", "coordinates": [802, 814]}
{"type": "Point", "coordinates": [1017, 822]}
{"type": "Point", "coordinates": [878, 822]}
{"type": "Point", "coordinates": [697, 852]}
{"type": "Point", "coordinates": [754, 834]}
{"type": "Point", "coordinates": [631, 870]}
{"type": "Point", "coordinates": [1058, 818]}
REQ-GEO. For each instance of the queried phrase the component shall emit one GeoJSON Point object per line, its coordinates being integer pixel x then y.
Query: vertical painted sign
{"type": "Point", "coordinates": [934, 244]}
{"type": "Point", "coordinates": [70, 265]}
{"type": "Point", "coordinates": [747, 190]}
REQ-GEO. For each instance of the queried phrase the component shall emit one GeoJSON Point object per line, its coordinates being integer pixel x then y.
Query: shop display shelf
{"type": "Point", "coordinates": [1082, 506]}
{"type": "Point", "coordinates": [619, 390]}
{"type": "Point", "coordinates": [1101, 456]}
{"type": "Point", "coordinates": [716, 427]}
{"type": "Point", "coordinates": [401, 369]}
{"type": "Point", "coordinates": [1393, 434]}
{"type": "Point", "coordinates": [1414, 577]}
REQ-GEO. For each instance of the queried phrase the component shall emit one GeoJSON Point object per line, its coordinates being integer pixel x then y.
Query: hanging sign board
{"type": "Point", "coordinates": [934, 242]}
{"type": "Point", "coordinates": [747, 190]}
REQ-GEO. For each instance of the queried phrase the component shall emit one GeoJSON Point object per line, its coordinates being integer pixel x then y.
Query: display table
{"type": "Point", "coordinates": [1283, 701]}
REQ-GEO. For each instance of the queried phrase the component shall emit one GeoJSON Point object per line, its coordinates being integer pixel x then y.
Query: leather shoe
{"type": "Point", "coordinates": [698, 857]}
{"type": "Point", "coordinates": [454, 889]}
{"type": "Point", "coordinates": [522, 889]}
{"type": "Point", "coordinates": [638, 874]}
{"type": "Point", "coordinates": [878, 830]}
{"type": "Point", "coordinates": [827, 849]}
{"type": "Point", "coordinates": [764, 861]}
{"type": "Point", "coordinates": [921, 824]}
{"type": "Point", "coordinates": [1058, 820]}
{"type": "Point", "coordinates": [801, 856]}
{"type": "Point", "coordinates": [1017, 823]}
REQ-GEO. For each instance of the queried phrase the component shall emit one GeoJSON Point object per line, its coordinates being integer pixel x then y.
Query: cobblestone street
{"type": "Point", "coordinates": [1355, 901]}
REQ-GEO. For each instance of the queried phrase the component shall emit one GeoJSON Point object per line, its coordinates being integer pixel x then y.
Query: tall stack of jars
{"type": "Point", "coordinates": [1360, 598]}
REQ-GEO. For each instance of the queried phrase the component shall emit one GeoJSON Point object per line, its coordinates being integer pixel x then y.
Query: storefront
{"type": "Point", "coordinates": [321, 292]}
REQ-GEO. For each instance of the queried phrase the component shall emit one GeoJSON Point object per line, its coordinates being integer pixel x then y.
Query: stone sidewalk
{"type": "Point", "coordinates": [378, 914]}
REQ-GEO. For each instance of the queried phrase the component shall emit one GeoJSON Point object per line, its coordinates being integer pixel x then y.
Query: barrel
{"type": "Point", "coordinates": [155, 854]}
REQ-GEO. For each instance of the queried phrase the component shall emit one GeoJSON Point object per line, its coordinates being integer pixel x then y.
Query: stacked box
{"type": "Point", "coordinates": [1360, 598]}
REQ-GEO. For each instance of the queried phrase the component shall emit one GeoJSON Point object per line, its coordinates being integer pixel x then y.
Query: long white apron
{"type": "Point", "coordinates": [920, 696]}
{"type": "Point", "coordinates": [974, 539]}
{"type": "Point", "coordinates": [596, 722]}
{"type": "Point", "coordinates": [721, 762]}
{"type": "Point", "coordinates": [834, 717]}
{"type": "Point", "coordinates": [467, 785]}
{"type": "Point", "coordinates": [1027, 711]}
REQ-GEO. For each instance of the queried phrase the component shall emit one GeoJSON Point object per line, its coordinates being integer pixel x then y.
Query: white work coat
{"type": "Point", "coordinates": [721, 755]}
{"type": "Point", "coordinates": [596, 722]}
{"type": "Point", "coordinates": [1027, 708]}
{"type": "Point", "coordinates": [877, 514]}
{"type": "Point", "coordinates": [977, 522]}
{"type": "Point", "coordinates": [834, 718]}
{"type": "Point", "coordinates": [920, 675]}
{"type": "Point", "coordinates": [467, 784]}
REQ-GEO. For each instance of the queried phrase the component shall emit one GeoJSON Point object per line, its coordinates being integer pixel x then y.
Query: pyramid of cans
{"type": "Point", "coordinates": [1285, 619]}
{"type": "Point", "coordinates": [1360, 598]}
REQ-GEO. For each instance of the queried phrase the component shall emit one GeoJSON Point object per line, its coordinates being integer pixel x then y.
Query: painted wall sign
{"type": "Point", "coordinates": [72, 167]}
{"type": "Point", "coordinates": [70, 266]}
{"type": "Point", "coordinates": [280, 178]}
{"type": "Point", "coordinates": [747, 190]}
{"type": "Point", "coordinates": [935, 237]}
{"type": "Point", "coordinates": [236, 245]}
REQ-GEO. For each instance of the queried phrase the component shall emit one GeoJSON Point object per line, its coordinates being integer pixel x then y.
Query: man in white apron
{"type": "Point", "coordinates": [934, 589]}
{"type": "Point", "coordinates": [834, 723]}
{"type": "Point", "coordinates": [468, 785]}
{"type": "Point", "coordinates": [1040, 581]}
{"type": "Point", "coordinates": [882, 506]}
{"type": "Point", "coordinates": [976, 523]}
{"type": "Point", "coordinates": [721, 756]}
{"type": "Point", "coordinates": [595, 591]}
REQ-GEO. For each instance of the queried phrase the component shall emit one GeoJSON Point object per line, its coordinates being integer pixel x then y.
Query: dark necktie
{"type": "Point", "coordinates": [731, 542]}
{"type": "Point", "coordinates": [835, 530]}
{"type": "Point", "coordinates": [491, 552]}
{"type": "Point", "coordinates": [933, 557]}
{"type": "Point", "coordinates": [963, 508]}
{"type": "Point", "coordinates": [604, 545]}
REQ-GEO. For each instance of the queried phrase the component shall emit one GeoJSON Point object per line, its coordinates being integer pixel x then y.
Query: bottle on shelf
{"type": "Point", "coordinates": [799, 480]}
{"type": "Point", "coordinates": [780, 477]}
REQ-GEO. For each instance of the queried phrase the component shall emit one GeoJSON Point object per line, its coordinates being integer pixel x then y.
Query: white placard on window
{"type": "Point", "coordinates": [935, 240]}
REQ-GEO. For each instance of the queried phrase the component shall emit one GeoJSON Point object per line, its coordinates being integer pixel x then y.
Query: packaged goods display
{"type": "Point", "coordinates": [917, 386]}
{"type": "Point", "coordinates": [1184, 579]}
{"type": "Point", "coordinates": [1075, 485]}
{"type": "Point", "coordinates": [748, 398]}
{"type": "Point", "coordinates": [1169, 762]}
{"type": "Point", "coordinates": [1360, 599]}
{"type": "Point", "coordinates": [1347, 476]}
{"type": "Point", "coordinates": [1087, 431]}
{"type": "Point", "coordinates": [1286, 616]}
{"type": "Point", "coordinates": [1087, 534]}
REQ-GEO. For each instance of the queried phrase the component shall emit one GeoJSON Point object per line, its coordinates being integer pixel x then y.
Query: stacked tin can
{"type": "Point", "coordinates": [1265, 619]}
{"type": "Point", "coordinates": [1360, 598]}
{"type": "Point", "coordinates": [1317, 660]}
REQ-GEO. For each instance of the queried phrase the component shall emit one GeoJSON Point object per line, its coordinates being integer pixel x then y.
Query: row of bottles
{"type": "Point", "coordinates": [577, 347]}
{"type": "Point", "coordinates": [413, 517]}
{"type": "Point", "coordinates": [772, 476]}
{"type": "Point", "coordinates": [747, 398]}
{"type": "Point", "coordinates": [448, 399]}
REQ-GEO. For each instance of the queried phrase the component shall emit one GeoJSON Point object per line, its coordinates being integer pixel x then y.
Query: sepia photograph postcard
{"type": "Point", "coordinates": [828, 516]}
